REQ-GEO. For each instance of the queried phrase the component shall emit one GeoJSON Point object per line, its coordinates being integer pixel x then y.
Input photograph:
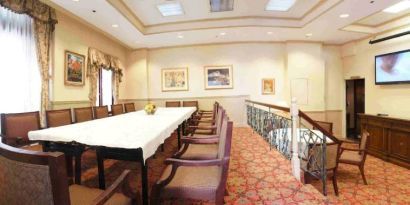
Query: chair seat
{"type": "Point", "coordinates": [192, 182]}
{"type": "Point", "coordinates": [80, 195]}
{"type": "Point", "coordinates": [200, 151]}
{"type": "Point", "coordinates": [350, 156]}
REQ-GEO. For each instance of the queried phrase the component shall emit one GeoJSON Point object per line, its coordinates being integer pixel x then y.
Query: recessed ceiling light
{"type": "Point", "coordinates": [170, 9]}
{"type": "Point", "coordinates": [221, 5]}
{"type": "Point", "coordinates": [76, 0]}
{"type": "Point", "coordinates": [344, 15]}
{"type": "Point", "coordinates": [279, 5]}
{"type": "Point", "coordinates": [396, 8]}
{"type": "Point", "coordinates": [269, 32]}
{"type": "Point", "coordinates": [115, 25]}
{"type": "Point", "coordinates": [309, 35]}
{"type": "Point", "coordinates": [222, 33]}
{"type": "Point", "coordinates": [180, 36]}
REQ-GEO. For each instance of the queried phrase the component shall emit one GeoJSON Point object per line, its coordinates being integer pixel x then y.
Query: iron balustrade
{"type": "Point", "coordinates": [274, 124]}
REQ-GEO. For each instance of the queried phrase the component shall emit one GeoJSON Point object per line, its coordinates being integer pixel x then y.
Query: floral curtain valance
{"type": "Point", "coordinates": [34, 8]}
{"type": "Point", "coordinates": [98, 59]}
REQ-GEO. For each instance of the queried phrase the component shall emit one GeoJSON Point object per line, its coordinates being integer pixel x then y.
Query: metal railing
{"type": "Point", "coordinates": [287, 129]}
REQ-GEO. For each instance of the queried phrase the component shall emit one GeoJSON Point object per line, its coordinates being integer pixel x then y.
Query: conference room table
{"type": "Point", "coordinates": [135, 135]}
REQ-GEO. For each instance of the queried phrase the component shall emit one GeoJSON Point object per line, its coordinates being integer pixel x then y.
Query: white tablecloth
{"type": "Point", "coordinates": [130, 131]}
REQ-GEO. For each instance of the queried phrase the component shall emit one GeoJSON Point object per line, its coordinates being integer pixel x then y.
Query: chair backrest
{"type": "Point", "coordinates": [190, 104]}
{"type": "Point", "coordinates": [83, 114]}
{"type": "Point", "coordinates": [117, 109]}
{"type": "Point", "coordinates": [328, 126]}
{"type": "Point", "coordinates": [219, 120]}
{"type": "Point", "coordinates": [364, 140]}
{"type": "Point", "coordinates": [15, 126]}
{"type": "Point", "coordinates": [332, 155]}
{"type": "Point", "coordinates": [100, 112]}
{"type": "Point", "coordinates": [129, 107]}
{"type": "Point", "coordinates": [29, 177]}
{"type": "Point", "coordinates": [172, 104]}
{"type": "Point", "coordinates": [224, 153]}
{"type": "Point", "coordinates": [56, 118]}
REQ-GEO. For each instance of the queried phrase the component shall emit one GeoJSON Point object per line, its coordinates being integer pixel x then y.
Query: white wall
{"type": "Point", "coordinates": [358, 60]}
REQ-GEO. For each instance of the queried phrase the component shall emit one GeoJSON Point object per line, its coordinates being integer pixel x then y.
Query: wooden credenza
{"type": "Point", "coordinates": [389, 138]}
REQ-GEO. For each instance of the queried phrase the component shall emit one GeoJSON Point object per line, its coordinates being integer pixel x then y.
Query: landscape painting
{"type": "Point", "coordinates": [74, 69]}
{"type": "Point", "coordinates": [174, 79]}
{"type": "Point", "coordinates": [218, 77]}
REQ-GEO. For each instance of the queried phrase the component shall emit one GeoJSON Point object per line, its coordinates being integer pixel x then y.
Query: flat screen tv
{"type": "Point", "coordinates": [393, 68]}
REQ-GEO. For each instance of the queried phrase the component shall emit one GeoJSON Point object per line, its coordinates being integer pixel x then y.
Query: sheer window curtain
{"type": "Point", "coordinates": [20, 80]}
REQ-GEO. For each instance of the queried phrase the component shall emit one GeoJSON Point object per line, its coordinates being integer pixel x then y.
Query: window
{"type": "Point", "coordinates": [20, 80]}
{"type": "Point", "coordinates": [105, 88]}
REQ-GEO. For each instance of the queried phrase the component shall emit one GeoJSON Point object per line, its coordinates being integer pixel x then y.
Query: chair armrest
{"type": "Point", "coordinates": [206, 120]}
{"type": "Point", "coordinates": [205, 111]}
{"type": "Point", "coordinates": [193, 163]}
{"type": "Point", "coordinates": [192, 140]}
{"type": "Point", "coordinates": [120, 182]}
{"type": "Point", "coordinates": [347, 141]}
{"type": "Point", "coordinates": [203, 127]}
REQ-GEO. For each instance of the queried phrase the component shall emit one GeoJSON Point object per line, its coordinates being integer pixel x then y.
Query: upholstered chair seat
{"type": "Point", "coordinates": [192, 182]}
{"type": "Point", "coordinates": [200, 151]}
{"type": "Point", "coordinates": [351, 156]}
{"type": "Point", "coordinates": [80, 195]}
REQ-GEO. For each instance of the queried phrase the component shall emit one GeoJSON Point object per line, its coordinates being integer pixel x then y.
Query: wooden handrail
{"type": "Point", "coordinates": [303, 115]}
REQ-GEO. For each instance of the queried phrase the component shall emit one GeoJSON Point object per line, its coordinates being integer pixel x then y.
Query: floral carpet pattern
{"type": "Point", "coordinates": [259, 175]}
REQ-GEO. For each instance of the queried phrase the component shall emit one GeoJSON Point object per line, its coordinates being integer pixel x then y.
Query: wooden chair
{"type": "Point", "coordinates": [332, 156]}
{"type": "Point", "coordinates": [190, 104]}
{"type": "Point", "coordinates": [201, 147]}
{"type": "Point", "coordinates": [117, 109]}
{"type": "Point", "coordinates": [30, 177]}
{"type": "Point", "coordinates": [83, 114]}
{"type": "Point", "coordinates": [15, 127]}
{"type": "Point", "coordinates": [328, 126]}
{"type": "Point", "coordinates": [100, 112]}
{"type": "Point", "coordinates": [129, 107]}
{"type": "Point", "coordinates": [172, 104]}
{"type": "Point", "coordinates": [356, 156]}
{"type": "Point", "coordinates": [56, 118]}
{"type": "Point", "coordinates": [196, 179]}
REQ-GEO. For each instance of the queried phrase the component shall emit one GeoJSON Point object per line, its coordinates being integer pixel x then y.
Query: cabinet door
{"type": "Point", "coordinates": [376, 144]}
{"type": "Point", "coordinates": [399, 142]}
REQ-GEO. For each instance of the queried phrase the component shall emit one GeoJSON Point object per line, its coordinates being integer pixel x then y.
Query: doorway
{"type": "Point", "coordinates": [355, 102]}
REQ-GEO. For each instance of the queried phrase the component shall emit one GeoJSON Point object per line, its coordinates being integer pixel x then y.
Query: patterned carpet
{"type": "Point", "coordinates": [260, 176]}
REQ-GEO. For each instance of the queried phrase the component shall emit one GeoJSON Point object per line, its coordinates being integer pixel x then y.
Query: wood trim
{"type": "Point", "coordinates": [69, 102]}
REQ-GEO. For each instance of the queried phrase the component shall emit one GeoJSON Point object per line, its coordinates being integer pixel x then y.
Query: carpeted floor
{"type": "Point", "coordinates": [260, 176]}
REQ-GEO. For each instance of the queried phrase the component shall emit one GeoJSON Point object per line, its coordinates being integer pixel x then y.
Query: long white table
{"type": "Point", "coordinates": [131, 131]}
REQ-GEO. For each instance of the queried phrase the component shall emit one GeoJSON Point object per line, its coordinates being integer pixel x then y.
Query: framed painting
{"type": "Point", "coordinates": [218, 77]}
{"type": "Point", "coordinates": [74, 65]}
{"type": "Point", "coordinates": [174, 79]}
{"type": "Point", "coordinates": [268, 86]}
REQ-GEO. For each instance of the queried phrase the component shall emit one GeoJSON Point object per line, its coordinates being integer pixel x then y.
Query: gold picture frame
{"type": "Point", "coordinates": [268, 86]}
{"type": "Point", "coordinates": [174, 79]}
{"type": "Point", "coordinates": [218, 77]}
{"type": "Point", "coordinates": [74, 69]}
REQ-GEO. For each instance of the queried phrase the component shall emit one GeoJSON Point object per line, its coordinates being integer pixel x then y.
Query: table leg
{"type": "Point", "coordinates": [77, 174]}
{"type": "Point", "coordinates": [144, 179]}
{"type": "Point", "coordinates": [179, 136]}
{"type": "Point", "coordinates": [101, 177]}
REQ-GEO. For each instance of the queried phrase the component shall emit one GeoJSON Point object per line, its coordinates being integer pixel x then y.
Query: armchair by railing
{"type": "Point", "coordinates": [283, 129]}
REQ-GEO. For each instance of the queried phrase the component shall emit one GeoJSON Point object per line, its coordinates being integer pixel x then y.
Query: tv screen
{"type": "Point", "coordinates": [393, 68]}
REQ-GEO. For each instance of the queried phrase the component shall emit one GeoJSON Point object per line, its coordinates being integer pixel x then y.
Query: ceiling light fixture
{"type": "Point", "coordinates": [269, 32]}
{"type": "Point", "coordinates": [115, 25]}
{"type": "Point", "coordinates": [221, 5]}
{"type": "Point", "coordinates": [279, 5]}
{"type": "Point", "coordinates": [180, 36]}
{"type": "Point", "coordinates": [308, 35]}
{"type": "Point", "coordinates": [344, 15]}
{"type": "Point", "coordinates": [222, 33]}
{"type": "Point", "coordinates": [170, 9]}
{"type": "Point", "coordinates": [396, 8]}
{"type": "Point", "coordinates": [76, 0]}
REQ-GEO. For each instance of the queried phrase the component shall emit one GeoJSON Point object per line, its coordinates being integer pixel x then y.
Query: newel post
{"type": "Point", "coordinates": [295, 125]}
